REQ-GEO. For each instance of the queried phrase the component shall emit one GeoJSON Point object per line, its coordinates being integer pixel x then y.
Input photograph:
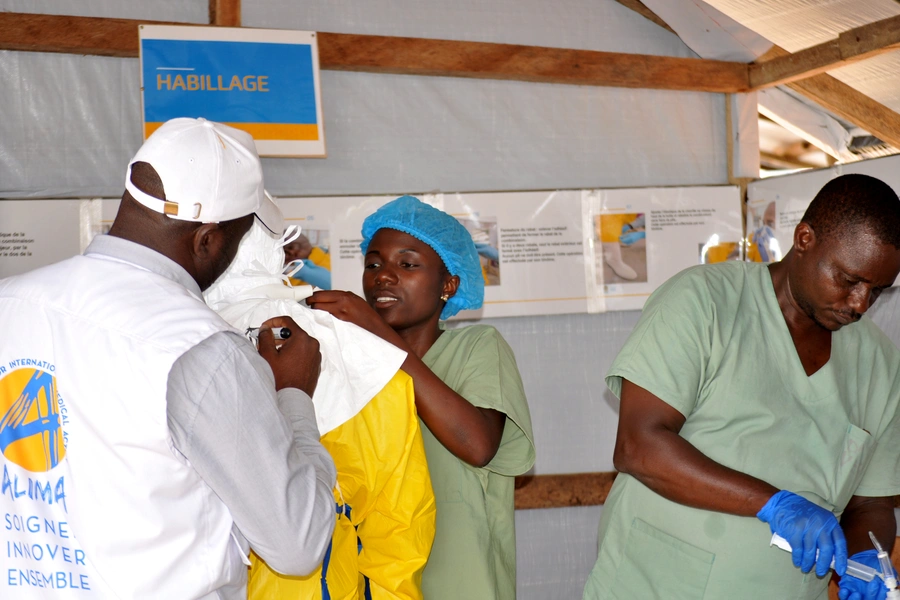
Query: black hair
{"type": "Point", "coordinates": [849, 202]}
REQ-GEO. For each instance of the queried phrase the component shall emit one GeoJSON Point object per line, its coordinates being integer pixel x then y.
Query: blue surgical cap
{"type": "Point", "coordinates": [446, 236]}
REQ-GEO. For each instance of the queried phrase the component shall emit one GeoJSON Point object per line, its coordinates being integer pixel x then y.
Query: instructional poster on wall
{"type": "Point", "coordinates": [107, 214]}
{"type": "Point", "coordinates": [641, 237]}
{"type": "Point", "coordinates": [35, 233]}
{"type": "Point", "coordinates": [531, 249]}
{"type": "Point", "coordinates": [552, 252]}
{"type": "Point", "coordinates": [330, 229]}
{"type": "Point", "coordinates": [774, 207]}
{"type": "Point", "coordinates": [529, 244]}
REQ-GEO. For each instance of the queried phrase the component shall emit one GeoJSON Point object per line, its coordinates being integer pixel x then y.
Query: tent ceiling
{"type": "Point", "coordinates": [798, 24]}
{"type": "Point", "coordinates": [810, 30]}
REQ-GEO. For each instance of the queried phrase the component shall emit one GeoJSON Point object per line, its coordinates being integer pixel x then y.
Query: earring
{"type": "Point", "coordinates": [445, 297]}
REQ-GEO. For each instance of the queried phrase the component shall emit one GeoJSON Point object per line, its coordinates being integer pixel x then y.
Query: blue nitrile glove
{"type": "Point", "coordinates": [487, 251]}
{"type": "Point", "coordinates": [809, 529]}
{"type": "Point", "coordinates": [315, 275]}
{"type": "Point", "coordinates": [628, 239]}
{"type": "Point", "coordinates": [852, 588]}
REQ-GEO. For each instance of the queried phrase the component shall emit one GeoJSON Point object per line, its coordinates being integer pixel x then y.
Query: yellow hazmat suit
{"type": "Point", "coordinates": [720, 253]}
{"type": "Point", "coordinates": [385, 509]}
{"type": "Point", "coordinates": [610, 225]}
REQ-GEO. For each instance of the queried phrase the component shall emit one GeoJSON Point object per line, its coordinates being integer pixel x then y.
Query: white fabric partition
{"type": "Point", "coordinates": [75, 121]}
{"type": "Point", "coordinates": [563, 360]}
{"type": "Point", "coordinates": [72, 122]}
{"type": "Point", "coordinates": [556, 550]}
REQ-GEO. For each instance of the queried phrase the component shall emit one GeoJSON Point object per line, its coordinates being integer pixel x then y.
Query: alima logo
{"type": "Point", "coordinates": [31, 435]}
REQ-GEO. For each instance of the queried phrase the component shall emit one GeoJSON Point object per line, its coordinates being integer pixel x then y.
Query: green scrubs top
{"type": "Point", "coordinates": [474, 552]}
{"type": "Point", "coordinates": [712, 342]}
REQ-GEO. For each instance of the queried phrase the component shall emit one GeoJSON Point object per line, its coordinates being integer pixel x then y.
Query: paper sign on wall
{"type": "Point", "coordinates": [555, 252]}
{"type": "Point", "coordinates": [35, 233]}
{"type": "Point", "coordinates": [263, 81]}
{"type": "Point", "coordinates": [641, 237]}
{"type": "Point", "coordinates": [531, 250]}
{"type": "Point", "coordinates": [529, 243]}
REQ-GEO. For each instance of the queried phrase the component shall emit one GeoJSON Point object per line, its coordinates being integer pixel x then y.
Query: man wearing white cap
{"type": "Point", "coordinates": [145, 447]}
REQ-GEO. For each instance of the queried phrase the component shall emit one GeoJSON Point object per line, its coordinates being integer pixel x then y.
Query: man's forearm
{"type": "Point", "coordinates": [676, 470]}
{"type": "Point", "coordinates": [865, 514]}
{"type": "Point", "coordinates": [649, 448]}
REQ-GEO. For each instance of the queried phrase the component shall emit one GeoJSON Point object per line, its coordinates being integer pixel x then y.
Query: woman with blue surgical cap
{"type": "Point", "coordinates": [421, 267]}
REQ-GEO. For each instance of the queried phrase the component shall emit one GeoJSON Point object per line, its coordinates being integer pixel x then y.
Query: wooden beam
{"type": "Point", "coordinates": [225, 13]}
{"type": "Point", "coordinates": [852, 106]}
{"type": "Point", "coordinates": [410, 56]}
{"type": "Point", "coordinates": [776, 161]}
{"type": "Point", "coordinates": [850, 46]}
{"type": "Point", "coordinates": [558, 491]}
{"type": "Point", "coordinates": [417, 56]}
{"type": "Point", "coordinates": [828, 92]}
{"type": "Point", "coordinates": [73, 35]}
{"type": "Point", "coordinates": [640, 8]}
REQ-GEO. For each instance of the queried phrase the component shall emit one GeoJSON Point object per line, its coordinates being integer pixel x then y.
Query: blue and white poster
{"type": "Point", "coordinates": [263, 81]}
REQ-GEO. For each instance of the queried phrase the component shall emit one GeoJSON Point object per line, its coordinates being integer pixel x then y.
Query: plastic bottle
{"type": "Point", "coordinates": [887, 570]}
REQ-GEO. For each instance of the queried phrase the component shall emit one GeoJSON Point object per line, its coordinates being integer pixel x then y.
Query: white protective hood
{"type": "Point", "coordinates": [355, 363]}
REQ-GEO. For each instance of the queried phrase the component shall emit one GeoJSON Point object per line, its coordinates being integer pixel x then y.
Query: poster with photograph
{"type": "Point", "coordinates": [641, 237]}
{"type": "Point", "coordinates": [330, 237]}
{"type": "Point", "coordinates": [531, 249]}
{"type": "Point", "coordinates": [529, 244]}
{"type": "Point", "coordinates": [762, 224]}
{"type": "Point", "coordinates": [774, 207]}
{"type": "Point", "coordinates": [550, 252]}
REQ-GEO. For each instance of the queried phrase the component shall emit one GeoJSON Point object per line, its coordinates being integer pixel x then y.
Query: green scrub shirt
{"type": "Point", "coordinates": [474, 552]}
{"type": "Point", "coordinates": [712, 342]}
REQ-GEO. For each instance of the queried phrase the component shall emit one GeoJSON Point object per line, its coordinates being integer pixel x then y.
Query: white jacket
{"type": "Point", "coordinates": [97, 502]}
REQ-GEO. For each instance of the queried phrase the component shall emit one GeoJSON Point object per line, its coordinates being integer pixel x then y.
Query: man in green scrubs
{"type": "Point", "coordinates": [758, 399]}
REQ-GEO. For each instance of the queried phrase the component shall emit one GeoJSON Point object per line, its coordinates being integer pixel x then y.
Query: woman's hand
{"type": "Point", "coordinates": [349, 307]}
{"type": "Point", "coordinates": [472, 434]}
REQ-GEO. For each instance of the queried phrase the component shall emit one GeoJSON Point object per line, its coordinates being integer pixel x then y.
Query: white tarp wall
{"type": "Point", "coordinates": [70, 124]}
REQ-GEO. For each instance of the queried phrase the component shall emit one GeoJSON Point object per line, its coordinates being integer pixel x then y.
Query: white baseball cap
{"type": "Point", "coordinates": [210, 173]}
